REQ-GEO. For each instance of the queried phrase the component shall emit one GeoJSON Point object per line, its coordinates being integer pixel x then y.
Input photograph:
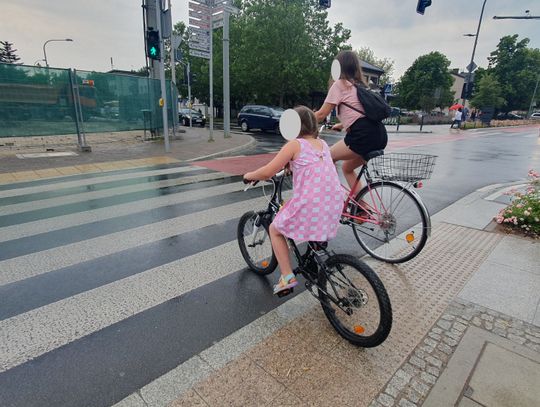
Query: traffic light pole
{"type": "Point", "coordinates": [211, 137]}
{"type": "Point", "coordinates": [189, 92]}
{"type": "Point", "coordinates": [159, 11]}
{"type": "Point", "coordinates": [470, 67]}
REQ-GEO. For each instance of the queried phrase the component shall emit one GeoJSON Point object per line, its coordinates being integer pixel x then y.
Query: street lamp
{"type": "Point", "coordinates": [471, 67]}
{"type": "Point", "coordinates": [46, 42]}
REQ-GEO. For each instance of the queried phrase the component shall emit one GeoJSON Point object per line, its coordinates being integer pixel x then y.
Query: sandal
{"type": "Point", "coordinates": [285, 283]}
{"type": "Point", "coordinates": [359, 212]}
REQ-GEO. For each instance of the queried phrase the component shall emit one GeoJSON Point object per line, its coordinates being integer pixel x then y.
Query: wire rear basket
{"type": "Point", "coordinates": [403, 167]}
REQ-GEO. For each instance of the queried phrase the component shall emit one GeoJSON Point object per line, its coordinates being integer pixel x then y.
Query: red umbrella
{"type": "Point", "coordinates": [456, 106]}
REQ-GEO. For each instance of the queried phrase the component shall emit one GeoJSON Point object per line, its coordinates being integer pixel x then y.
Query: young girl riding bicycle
{"type": "Point", "coordinates": [362, 135]}
{"type": "Point", "coordinates": [313, 213]}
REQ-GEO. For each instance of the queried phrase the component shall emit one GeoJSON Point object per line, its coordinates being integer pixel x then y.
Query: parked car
{"type": "Point", "coordinates": [259, 117]}
{"type": "Point", "coordinates": [197, 117]}
{"type": "Point", "coordinates": [509, 116]}
{"type": "Point", "coordinates": [535, 115]}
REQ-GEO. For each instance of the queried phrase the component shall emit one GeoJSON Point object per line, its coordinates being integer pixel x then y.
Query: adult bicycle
{"type": "Point", "coordinates": [387, 216]}
{"type": "Point", "coordinates": [352, 296]}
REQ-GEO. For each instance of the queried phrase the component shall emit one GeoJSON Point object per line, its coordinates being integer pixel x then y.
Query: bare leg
{"type": "Point", "coordinates": [281, 250]}
{"type": "Point", "coordinates": [340, 152]}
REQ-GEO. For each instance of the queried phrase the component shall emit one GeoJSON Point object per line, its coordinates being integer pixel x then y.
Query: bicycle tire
{"type": "Point", "coordinates": [384, 325]}
{"type": "Point", "coordinates": [369, 235]}
{"type": "Point", "coordinates": [264, 264]}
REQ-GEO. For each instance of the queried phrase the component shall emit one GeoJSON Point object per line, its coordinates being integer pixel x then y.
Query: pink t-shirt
{"type": "Point", "coordinates": [344, 91]}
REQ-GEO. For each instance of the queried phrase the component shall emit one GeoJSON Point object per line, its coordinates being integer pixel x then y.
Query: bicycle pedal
{"type": "Point", "coordinates": [285, 292]}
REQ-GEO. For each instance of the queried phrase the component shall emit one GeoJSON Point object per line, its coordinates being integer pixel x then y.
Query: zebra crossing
{"type": "Point", "coordinates": [110, 280]}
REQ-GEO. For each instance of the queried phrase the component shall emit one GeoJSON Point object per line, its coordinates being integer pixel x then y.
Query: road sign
{"type": "Point", "coordinates": [203, 2]}
{"type": "Point", "coordinates": [200, 47]}
{"type": "Point", "coordinates": [198, 31]}
{"type": "Point", "coordinates": [199, 8]}
{"type": "Point", "coordinates": [471, 67]}
{"type": "Point", "coordinates": [201, 16]}
{"type": "Point", "coordinates": [178, 55]}
{"type": "Point", "coordinates": [176, 40]}
{"type": "Point", "coordinates": [200, 54]}
{"type": "Point", "coordinates": [217, 24]}
{"type": "Point", "coordinates": [200, 40]}
{"type": "Point", "coordinates": [231, 9]}
{"type": "Point", "coordinates": [199, 23]}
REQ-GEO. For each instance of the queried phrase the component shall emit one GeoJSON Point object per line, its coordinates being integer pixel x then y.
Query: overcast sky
{"type": "Point", "coordinates": [102, 29]}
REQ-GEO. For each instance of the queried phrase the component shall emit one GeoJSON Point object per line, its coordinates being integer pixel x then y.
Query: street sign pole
{"type": "Point", "coordinates": [189, 92]}
{"type": "Point", "coordinates": [226, 92]}
{"type": "Point", "coordinates": [175, 43]}
{"type": "Point", "coordinates": [159, 11]}
{"type": "Point", "coordinates": [211, 138]}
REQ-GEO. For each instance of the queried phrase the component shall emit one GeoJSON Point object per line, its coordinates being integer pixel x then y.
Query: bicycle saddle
{"type": "Point", "coordinates": [373, 154]}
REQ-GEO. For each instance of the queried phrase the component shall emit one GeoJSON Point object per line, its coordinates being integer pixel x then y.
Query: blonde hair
{"type": "Point", "coordinates": [308, 120]}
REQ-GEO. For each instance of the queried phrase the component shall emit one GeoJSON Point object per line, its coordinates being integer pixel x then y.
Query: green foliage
{"type": "Point", "coordinates": [489, 93]}
{"type": "Point", "coordinates": [516, 67]}
{"type": "Point", "coordinates": [427, 83]}
{"type": "Point", "coordinates": [280, 53]}
{"type": "Point", "coordinates": [366, 54]}
{"type": "Point", "coordinates": [524, 211]}
{"type": "Point", "coordinates": [7, 53]}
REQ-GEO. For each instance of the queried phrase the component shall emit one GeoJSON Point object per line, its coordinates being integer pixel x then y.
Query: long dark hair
{"type": "Point", "coordinates": [308, 120]}
{"type": "Point", "coordinates": [351, 69]}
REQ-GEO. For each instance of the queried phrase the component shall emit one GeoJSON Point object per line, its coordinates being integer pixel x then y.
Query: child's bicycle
{"type": "Point", "coordinates": [352, 297]}
{"type": "Point", "coordinates": [387, 216]}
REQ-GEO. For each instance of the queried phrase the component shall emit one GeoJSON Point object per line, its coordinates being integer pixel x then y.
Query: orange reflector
{"type": "Point", "coordinates": [359, 329]}
{"type": "Point", "coordinates": [264, 263]}
{"type": "Point", "coordinates": [409, 237]}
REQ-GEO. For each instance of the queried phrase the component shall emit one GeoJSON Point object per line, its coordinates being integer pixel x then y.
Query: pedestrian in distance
{"type": "Point", "coordinates": [362, 135]}
{"type": "Point", "coordinates": [313, 213]}
{"type": "Point", "coordinates": [457, 119]}
{"type": "Point", "coordinates": [473, 115]}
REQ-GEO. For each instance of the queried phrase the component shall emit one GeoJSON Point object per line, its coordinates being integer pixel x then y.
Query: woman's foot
{"type": "Point", "coordinates": [285, 283]}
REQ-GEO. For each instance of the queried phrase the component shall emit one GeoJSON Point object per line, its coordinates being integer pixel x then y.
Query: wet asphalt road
{"type": "Point", "coordinates": [109, 281]}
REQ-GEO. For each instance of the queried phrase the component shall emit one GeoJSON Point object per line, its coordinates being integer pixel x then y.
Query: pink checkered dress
{"type": "Point", "coordinates": [313, 213]}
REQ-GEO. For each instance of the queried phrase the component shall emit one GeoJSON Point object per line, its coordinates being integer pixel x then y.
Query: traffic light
{"type": "Point", "coordinates": [421, 6]}
{"type": "Point", "coordinates": [325, 3]}
{"type": "Point", "coordinates": [152, 45]}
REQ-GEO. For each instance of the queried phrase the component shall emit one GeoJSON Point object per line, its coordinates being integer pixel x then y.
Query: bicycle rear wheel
{"type": "Point", "coordinates": [397, 228]}
{"type": "Point", "coordinates": [255, 245]}
{"type": "Point", "coordinates": [364, 314]}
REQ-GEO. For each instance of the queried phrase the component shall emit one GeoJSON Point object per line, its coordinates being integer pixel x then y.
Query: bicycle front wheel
{"type": "Point", "coordinates": [355, 301]}
{"type": "Point", "coordinates": [396, 226]}
{"type": "Point", "coordinates": [255, 245]}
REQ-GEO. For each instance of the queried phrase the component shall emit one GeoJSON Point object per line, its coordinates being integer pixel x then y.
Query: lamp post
{"type": "Point", "coordinates": [46, 42]}
{"type": "Point", "coordinates": [470, 67]}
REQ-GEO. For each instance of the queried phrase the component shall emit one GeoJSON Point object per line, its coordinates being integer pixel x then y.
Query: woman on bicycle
{"type": "Point", "coordinates": [362, 135]}
{"type": "Point", "coordinates": [313, 213]}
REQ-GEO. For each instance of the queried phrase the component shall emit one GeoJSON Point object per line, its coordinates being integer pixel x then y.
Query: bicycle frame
{"type": "Point", "coordinates": [368, 209]}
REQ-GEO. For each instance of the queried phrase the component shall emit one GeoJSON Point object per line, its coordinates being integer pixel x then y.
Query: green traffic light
{"type": "Point", "coordinates": [153, 51]}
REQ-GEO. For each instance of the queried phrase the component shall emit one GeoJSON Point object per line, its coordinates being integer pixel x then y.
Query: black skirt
{"type": "Point", "coordinates": [365, 136]}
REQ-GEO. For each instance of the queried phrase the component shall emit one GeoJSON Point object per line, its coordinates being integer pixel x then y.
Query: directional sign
{"type": "Point", "coordinates": [200, 54]}
{"type": "Point", "coordinates": [199, 23]}
{"type": "Point", "coordinates": [200, 40]}
{"type": "Point", "coordinates": [217, 24]}
{"type": "Point", "coordinates": [231, 9]}
{"type": "Point", "coordinates": [199, 47]}
{"type": "Point", "coordinates": [204, 2]}
{"type": "Point", "coordinates": [198, 31]}
{"type": "Point", "coordinates": [202, 16]}
{"type": "Point", "coordinates": [199, 8]}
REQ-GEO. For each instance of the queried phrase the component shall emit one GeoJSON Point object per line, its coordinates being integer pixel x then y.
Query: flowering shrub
{"type": "Point", "coordinates": [524, 211]}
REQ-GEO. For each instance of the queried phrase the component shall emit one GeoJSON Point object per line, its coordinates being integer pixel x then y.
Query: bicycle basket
{"type": "Point", "coordinates": [403, 167]}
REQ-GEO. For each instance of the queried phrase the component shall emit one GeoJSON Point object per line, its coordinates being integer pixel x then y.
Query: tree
{"type": "Point", "coordinates": [516, 67]}
{"type": "Point", "coordinates": [488, 93]}
{"type": "Point", "coordinates": [7, 53]}
{"type": "Point", "coordinates": [386, 64]}
{"type": "Point", "coordinates": [427, 83]}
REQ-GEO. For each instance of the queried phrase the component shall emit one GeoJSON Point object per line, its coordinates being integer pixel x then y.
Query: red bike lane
{"type": "Point", "coordinates": [241, 164]}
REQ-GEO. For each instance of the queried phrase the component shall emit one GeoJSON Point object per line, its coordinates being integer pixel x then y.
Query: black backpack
{"type": "Point", "coordinates": [375, 107]}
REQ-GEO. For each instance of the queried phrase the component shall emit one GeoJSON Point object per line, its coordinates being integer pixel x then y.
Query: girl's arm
{"type": "Point", "coordinates": [286, 154]}
{"type": "Point", "coordinates": [337, 127]}
{"type": "Point", "coordinates": [324, 111]}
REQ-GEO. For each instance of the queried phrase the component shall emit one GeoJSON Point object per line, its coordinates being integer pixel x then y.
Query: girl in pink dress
{"type": "Point", "coordinates": [313, 213]}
